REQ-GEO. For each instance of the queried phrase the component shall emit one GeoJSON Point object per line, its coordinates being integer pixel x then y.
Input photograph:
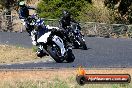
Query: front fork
{"type": "Point", "coordinates": [60, 43]}
{"type": "Point", "coordinates": [77, 39]}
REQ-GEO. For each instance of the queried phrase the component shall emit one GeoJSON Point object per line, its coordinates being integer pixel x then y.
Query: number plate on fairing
{"type": "Point", "coordinates": [44, 37]}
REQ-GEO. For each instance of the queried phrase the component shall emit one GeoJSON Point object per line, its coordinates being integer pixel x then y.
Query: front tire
{"type": "Point", "coordinates": [70, 58]}
{"type": "Point", "coordinates": [83, 45]}
{"type": "Point", "coordinates": [53, 53]}
{"type": "Point", "coordinates": [76, 45]}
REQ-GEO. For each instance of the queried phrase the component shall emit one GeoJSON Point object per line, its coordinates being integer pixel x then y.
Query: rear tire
{"type": "Point", "coordinates": [53, 53]}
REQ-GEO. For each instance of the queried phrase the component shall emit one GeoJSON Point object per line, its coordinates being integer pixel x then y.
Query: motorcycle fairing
{"type": "Point", "coordinates": [60, 43]}
{"type": "Point", "coordinates": [44, 37]}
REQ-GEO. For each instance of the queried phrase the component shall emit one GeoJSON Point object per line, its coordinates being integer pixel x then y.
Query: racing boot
{"type": "Point", "coordinates": [41, 52]}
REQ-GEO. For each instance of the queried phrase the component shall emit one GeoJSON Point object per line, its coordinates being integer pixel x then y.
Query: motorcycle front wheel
{"type": "Point", "coordinates": [54, 53]}
{"type": "Point", "coordinates": [70, 56]}
{"type": "Point", "coordinates": [82, 43]}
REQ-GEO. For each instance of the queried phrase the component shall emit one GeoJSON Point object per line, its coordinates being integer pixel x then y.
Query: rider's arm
{"type": "Point", "coordinates": [72, 20]}
{"type": "Point", "coordinates": [29, 7]}
{"type": "Point", "coordinates": [20, 15]}
{"type": "Point", "coordinates": [60, 23]}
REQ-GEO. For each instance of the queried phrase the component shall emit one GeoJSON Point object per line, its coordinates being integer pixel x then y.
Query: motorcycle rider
{"type": "Point", "coordinates": [66, 19]}
{"type": "Point", "coordinates": [24, 16]}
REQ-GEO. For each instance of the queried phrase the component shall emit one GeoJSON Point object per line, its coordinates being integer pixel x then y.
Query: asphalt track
{"type": "Point", "coordinates": [102, 53]}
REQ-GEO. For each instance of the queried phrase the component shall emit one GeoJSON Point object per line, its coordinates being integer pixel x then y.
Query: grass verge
{"type": "Point", "coordinates": [14, 54]}
{"type": "Point", "coordinates": [61, 78]}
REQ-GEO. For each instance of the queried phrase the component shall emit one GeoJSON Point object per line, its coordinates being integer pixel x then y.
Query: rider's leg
{"type": "Point", "coordinates": [29, 29]}
{"type": "Point", "coordinates": [23, 25]}
{"type": "Point", "coordinates": [34, 37]}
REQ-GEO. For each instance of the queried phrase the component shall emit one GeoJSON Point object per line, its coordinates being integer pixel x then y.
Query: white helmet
{"type": "Point", "coordinates": [22, 3]}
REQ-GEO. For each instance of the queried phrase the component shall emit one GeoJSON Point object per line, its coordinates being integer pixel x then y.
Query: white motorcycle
{"type": "Point", "coordinates": [56, 46]}
{"type": "Point", "coordinates": [52, 41]}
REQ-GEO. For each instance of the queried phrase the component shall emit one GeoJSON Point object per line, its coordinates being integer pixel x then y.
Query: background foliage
{"type": "Point", "coordinates": [7, 3]}
{"type": "Point", "coordinates": [121, 7]}
{"type": "Point", "coordinates": [53, 8]}
{"type": "Point", "coordinates": [117, 11]}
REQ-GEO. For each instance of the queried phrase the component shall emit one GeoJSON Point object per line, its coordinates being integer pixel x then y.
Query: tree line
{"type": "Point", "coordinates": [118, 11]}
